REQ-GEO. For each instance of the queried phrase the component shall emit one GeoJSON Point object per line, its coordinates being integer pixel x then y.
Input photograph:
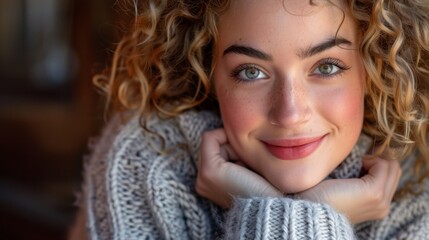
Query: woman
{"type": "Point", "coordinates": [265, 120]}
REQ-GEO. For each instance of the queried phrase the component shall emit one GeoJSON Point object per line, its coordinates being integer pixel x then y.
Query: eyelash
{"type": "Point", "coordinates": [333, 61]}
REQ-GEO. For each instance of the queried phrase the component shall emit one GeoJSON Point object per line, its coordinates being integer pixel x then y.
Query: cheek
{"type": "Point", "coordinates": [238, 111]}
{"type": "Point", "coordinates": [348, 104]}
{"type": "Point", "coordinates": [344, 107]}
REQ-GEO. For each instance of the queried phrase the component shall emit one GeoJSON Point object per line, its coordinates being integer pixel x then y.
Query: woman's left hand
{"type": "Point", "coordinates": [360, 199]}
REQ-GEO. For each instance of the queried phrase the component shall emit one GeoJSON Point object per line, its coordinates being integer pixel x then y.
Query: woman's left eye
{"type": "Point", "coordinates": [329, 67]}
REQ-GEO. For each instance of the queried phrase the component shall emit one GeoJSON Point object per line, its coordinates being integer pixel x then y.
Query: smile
{"type": "Point", "coordinates": [293, 149]}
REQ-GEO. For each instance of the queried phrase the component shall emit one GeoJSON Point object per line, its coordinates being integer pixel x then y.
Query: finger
{"type": "Point", "coordinates": [246, 183]}
{"type": "Point", "coordinates": [382, 178]}
{"type": "Point", "coordinates": [241, 163]}
{"type": "Point", "coordinates": [214, 139]}
{"type": "Point", "coordinates": [211, 143]}
{"type": "Point", "coordinates": [395, 173]}
{"type": "Point", "coordinates": [377, 177]}
{"type": "Point", "coordinates": [368, 161]}
{"type": "Point", "coordinates": [377, 168]}
{"type": "Point", "coordinates": [390, 186]}
{"type": "Point", "coordinates": [228, 153]}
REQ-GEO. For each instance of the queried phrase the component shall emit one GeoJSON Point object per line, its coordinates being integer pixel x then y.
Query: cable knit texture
{"type": "Point", "coordinates": [134, 189]}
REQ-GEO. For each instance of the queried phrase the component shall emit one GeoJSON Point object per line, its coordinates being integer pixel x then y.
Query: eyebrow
{"type": "Point", "coordinates": [248, 51]}
{"type": "Point", "coordinates": [323, 46]}
{"type": "Point", "coordinates": [304, 53]}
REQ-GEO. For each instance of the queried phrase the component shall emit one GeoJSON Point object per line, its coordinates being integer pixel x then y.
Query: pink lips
{"type": "Point", "coordinates": [293, 149]}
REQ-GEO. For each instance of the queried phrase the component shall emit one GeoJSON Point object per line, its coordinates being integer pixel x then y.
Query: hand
{"type": "Point", "coordinates": [362, 199]}
{"type": "Point", "coordinates": [219, 178]}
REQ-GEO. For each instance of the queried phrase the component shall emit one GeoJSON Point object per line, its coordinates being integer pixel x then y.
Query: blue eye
{"type": "Point", "coordinates": [248, 73]}
{"type": "Point", "coordinates": [329, 67]}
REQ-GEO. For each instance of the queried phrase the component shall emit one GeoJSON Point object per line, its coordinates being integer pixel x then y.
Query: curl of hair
{"type": "Point", "coordinates": [395, 52]}
{"type": "Point", "coordinates": [163, 64]}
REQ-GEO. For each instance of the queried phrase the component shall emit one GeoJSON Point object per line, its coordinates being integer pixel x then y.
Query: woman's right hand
{"type": "Point", "coordinates": [222, 175]}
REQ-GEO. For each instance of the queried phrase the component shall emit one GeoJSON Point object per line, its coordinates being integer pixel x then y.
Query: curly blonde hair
{"type": "Point", "coordinates": [395, 52]}
{"type": "Point", "coordinates": [163, 65]}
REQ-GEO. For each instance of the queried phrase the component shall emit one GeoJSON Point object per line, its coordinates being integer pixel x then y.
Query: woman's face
{"type": "Point", "coordinates": [290, 85]}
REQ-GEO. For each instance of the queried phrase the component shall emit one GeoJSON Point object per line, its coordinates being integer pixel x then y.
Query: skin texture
{"type": "Point", "coordinates": [290, 98]}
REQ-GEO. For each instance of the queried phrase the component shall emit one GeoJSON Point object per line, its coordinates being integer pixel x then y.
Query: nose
{"type": "Point", "coordinates": [290, 105]}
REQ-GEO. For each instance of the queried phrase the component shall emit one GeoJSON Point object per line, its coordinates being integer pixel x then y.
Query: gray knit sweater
{"type": "Point", "coordinates": [134, 191]}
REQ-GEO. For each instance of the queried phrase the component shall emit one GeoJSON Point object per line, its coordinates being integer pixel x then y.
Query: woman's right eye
{"type": "Point", "coordinates": [248, 73]}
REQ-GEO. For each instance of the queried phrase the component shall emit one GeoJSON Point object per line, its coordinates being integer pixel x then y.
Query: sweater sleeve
{"type": "Point", "coordinates": [285, 218]}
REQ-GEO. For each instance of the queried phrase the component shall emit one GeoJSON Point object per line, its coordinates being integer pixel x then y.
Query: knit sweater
{"type": "Point", "coordinates": [138, 186]}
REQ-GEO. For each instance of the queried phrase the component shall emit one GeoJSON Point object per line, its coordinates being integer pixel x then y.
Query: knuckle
{"type": "Point", "coordinates": [375, 193]}
{"type": "Point", "coordinates": [382, 209]}
{"type": "Point", "coordinates": [376, 196]}
{"type": "Point", "coordinates": [382, 213]}
{"type": "Point", "coordinates": [204, 174]}
{"type": "Point", "coordinates": [210, 174]}
{"type": "Point", "coordinates": [383, 162]}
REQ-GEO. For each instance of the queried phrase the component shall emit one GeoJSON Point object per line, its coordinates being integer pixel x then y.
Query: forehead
{"type": "Point", "coordinates": [291, 6]}
{"type": "Point", "coordinates": [291, 21]}
{"type": "Point", "coordinates": [294, 7]}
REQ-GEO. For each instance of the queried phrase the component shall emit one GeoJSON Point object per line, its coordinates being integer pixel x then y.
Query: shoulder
{"type": "Point", "coordinates": [128, 139]}
{"type": "Point", "coordinates": [163, 139]}
{"type": "Point", "coordinates": [135, 153]}
{"type": "Point", "coordinates": [136, 173]}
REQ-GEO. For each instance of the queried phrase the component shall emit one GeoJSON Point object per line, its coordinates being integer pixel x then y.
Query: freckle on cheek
{"type": "Point", "coordinates": [238, 112]}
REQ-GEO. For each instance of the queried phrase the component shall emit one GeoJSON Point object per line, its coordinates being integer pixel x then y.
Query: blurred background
{"type": "Point", "coordinates": [49, 50]}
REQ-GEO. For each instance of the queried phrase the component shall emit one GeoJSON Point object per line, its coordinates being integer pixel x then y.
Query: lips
{"type": "Point", "coordinates": [293, 149]}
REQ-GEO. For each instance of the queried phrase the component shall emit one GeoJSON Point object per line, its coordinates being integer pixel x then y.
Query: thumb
{"type": "Point", "coordinates": [247, 183]}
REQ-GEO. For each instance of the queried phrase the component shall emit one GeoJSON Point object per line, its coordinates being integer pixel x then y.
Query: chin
{"type": "Point", "coordinates": [296, 184]}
